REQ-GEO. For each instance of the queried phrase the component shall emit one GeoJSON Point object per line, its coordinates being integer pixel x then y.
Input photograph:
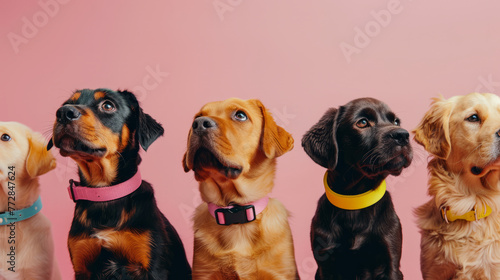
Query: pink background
{"type": "Point", "coordinates": [285, 52]}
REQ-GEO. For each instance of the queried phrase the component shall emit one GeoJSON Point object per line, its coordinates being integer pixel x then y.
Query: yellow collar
{"type": "Point", "coordinates": [470, 216]}
{"type": "Point", "coordinates": [354, 202]}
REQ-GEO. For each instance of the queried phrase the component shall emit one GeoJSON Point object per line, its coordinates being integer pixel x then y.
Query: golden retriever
{"type": "Point", "coordinates": [232, 148]}
{"type": "Point", "coordinates": [460, 238]}
{"type": "Point", "coordinates": [23, 157]}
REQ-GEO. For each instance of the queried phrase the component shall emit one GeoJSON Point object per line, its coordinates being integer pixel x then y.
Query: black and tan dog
{"type": "Point", "coordinates": [127, 237]}
{"type": "Point", "coordinates": [355, 232]}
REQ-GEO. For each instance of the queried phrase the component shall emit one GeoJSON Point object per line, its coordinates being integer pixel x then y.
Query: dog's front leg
{"type": "Point", "coordinates": [395, 258]}
{"type": "Point", "coordinates": [206, 266]}
{"type": "Point", "coordinates": [393, 240]}
{"type": "Point", "coordinates": [395, 274]}
{"type": "Point", "coordinates": [324, 254]}
{"type": "Point", "coordinates": [432, 262]}
{"type": "Point", "coordinates": [432, 271]}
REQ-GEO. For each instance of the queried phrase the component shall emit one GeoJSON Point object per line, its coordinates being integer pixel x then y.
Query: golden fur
{"type": "Point", "coordinates": [262, 249]}
{"type": "Point", "coordinates": [461, 249]}
{"type": "Point", "coordinates": [26, 151]}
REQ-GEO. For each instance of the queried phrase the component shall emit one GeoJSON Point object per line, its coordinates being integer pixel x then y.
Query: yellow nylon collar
{"type": "Point", "coordinates": [354, 202]}
{"type": "Point", "coordinates": [470, 216]}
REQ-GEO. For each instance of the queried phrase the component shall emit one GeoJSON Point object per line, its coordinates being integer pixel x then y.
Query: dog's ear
{"type": "Point", "coordinates": [148, 129]}
{"type": "Point", "coordinates": [184, 163]}
{"type": "Point", "coordinates": [275, 141]}
{"type": "Point", "coordinates": [433, 132]}
{"type": "Point", "coordinates": [39, 160]}
{"type": "Point", "coordinates": [320, 141]}
{"type": "Point", "coordinates": [50, 144]}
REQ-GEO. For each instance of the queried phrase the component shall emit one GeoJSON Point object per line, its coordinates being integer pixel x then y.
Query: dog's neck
{"type": "Point", "coordinates": [26, 190]}
{"type": "Point", "coordinates": [463, 190]}
{"type": "Point", "coordinates": [110, 170]}
{"type": "Point", "coordinates": [348, 181]}
{"type": "Point", "coordinates": [248, 187]}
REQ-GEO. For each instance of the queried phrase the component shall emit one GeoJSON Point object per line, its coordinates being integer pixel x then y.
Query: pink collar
{"type": "Point", "coordinates": [237, 214]}
{"type": "Point", "coordinates": [77, 192]}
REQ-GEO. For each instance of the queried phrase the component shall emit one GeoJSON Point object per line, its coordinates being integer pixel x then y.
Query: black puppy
{"type": "Point", "coordinates": [359, 237]}
{"type": "Point", "coordinates": [120, 234]}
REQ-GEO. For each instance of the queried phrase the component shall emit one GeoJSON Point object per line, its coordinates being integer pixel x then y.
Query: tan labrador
{"type": "Point", "coordinates": [460, 225]}
{"type": "Point", "coordinates": [24, 157]}
{"type": "Point", "coordinates": [232, 149]}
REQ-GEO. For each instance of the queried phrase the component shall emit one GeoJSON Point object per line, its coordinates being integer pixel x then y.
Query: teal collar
{"type": "Point", "coordinates": [22, 214]}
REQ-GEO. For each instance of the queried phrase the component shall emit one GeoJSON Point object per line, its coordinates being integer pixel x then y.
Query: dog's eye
{"type": "Point", "coordinates": [362, 123]}
{"type": "Point", "coordinates": [240, 116]}
{"type": "Point", "coordinates": [108, 106]}
{"type": "Point", "coordinates": [5, 137]}
{"type": "Point", "coordinates": [473, 118]}
{"type": "Point", "coordinates": [397, 122]}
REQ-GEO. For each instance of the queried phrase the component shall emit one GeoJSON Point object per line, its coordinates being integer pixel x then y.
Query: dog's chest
{"type": "Point", "coordinates": [126, 246]}
{"type": "Point", "coordinates": [352, 234]}
{"type": "Point", "coordinates": [476, 247]}
{"type": "Point", "coordinates": [22, 250]}
{"type": "Point", "coordinates": [233, 242]}
{"type": "Point", "coordinates": [239, 240]}
{"type": "Point", "coordinates": [4, 275]}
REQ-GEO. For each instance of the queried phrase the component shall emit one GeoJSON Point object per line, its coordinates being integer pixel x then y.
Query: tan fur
{"type": "Point", "coordinates": [461, 249]}
{"type": "Point", "coordinates": [99, 171]}
{"type": "Point", "coordinates": [262, 249]}
{"type": "Point", "coordinates": [99, 94]}
{"type": "Point", "coordinates": [75, 96]}
{"type": "Point", "coordinates": [83, 251]}
{"type": "Point", "coordinates": [34, 244]}
{"type": "Point", "coordinates": [126, 244]}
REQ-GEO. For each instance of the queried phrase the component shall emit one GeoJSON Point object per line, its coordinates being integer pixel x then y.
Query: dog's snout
{"type": "Point", "coordinates": [67, 114]}
{"type": "Point", "coordinates": [401, 136]}
{"type": "Point", "coordinates": [201, 124]}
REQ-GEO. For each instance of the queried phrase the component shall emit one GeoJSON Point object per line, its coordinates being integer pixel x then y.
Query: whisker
{"type": "Point", "coordinates": [369, 153]}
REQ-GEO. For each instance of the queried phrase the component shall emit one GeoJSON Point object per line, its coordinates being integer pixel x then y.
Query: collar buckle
{"type": "Point", "coordinates": [71, 192]}
{"type": "Point", "coordinates": [236, 215]}
{"type": "Point", "coordinates": [444, 209]}
{"type": "Point", "coordinates": [471, 216]}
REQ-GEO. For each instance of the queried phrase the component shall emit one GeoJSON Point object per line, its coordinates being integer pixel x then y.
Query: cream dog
{"type": "Point", "coordinates": [26, 246]}
{"type": "Point", "coordinates": [460, 225]}
{"type": "Point", "coordinates": [232, 148]}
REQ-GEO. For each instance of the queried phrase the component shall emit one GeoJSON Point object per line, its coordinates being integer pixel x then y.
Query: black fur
{"type": "Point", "coordinates": [167, 258]}
{"type": "Point", "coordinates": [365, 243]}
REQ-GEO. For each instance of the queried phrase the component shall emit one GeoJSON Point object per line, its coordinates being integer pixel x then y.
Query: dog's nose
{"type": "Point", "coordinates": [67, 114]}
{"type": "Point", "coordinates": [201, 124]}
{"type": "Point", "coordinates": [401, 136]}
